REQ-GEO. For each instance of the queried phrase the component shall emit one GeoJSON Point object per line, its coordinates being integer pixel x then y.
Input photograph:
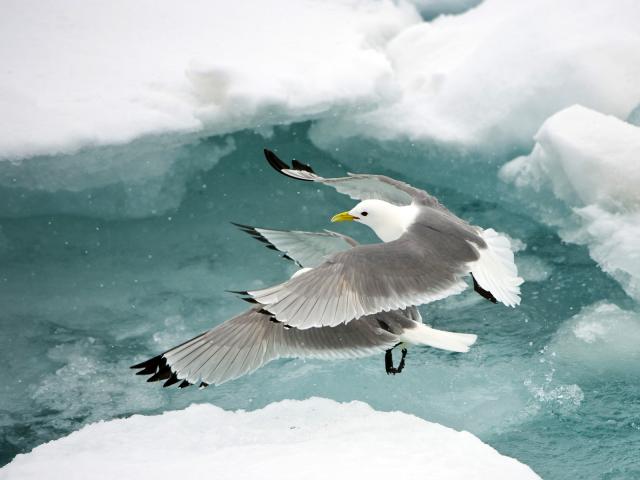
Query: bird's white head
{"type": "Point", "coordinates": [388, 221]}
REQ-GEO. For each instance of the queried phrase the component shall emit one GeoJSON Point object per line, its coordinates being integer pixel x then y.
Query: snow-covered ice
{"type": "Point", "coordinates": [77, 73]}
{"type": "Point", "coordinates": [311, 439]}
{"type": "Point", "coordinates": [80, 74]}
{"type": "Point", "coordinates": [590, 162]}
{"type": "Point", "coordinates": [495, 72]}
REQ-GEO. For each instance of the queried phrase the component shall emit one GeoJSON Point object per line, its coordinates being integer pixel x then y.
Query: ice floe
{"type": "Point", "coordinates": [93, 73]}
{"type": "Point", "coordinates": [495, 72]}
{"type": "Point", "coordinates": [590, 162]}
{"type": "Point", "coordinates": [312, 439]}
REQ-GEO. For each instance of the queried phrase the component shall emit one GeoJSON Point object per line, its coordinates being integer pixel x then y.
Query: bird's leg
{"type": "Point", "coordinates": [401, 364]}
{"type": "Point", "coordinates": [388, 361]}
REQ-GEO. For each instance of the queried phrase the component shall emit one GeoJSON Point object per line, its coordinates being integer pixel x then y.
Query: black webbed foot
{"type": "Point", "coordinates": [388, 362]}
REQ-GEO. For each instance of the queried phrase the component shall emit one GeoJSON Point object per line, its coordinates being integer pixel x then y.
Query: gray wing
{"type": "Point", "coordinates": [252, 339]}
{"type": "Point", "coordinates": [423, 265]}
{"type": "Point", "coordinates": [307, 249]}
{"type": "Point", "coordinates": [310, 249]}
{"type": "Point", "coordinates": [358, 186]}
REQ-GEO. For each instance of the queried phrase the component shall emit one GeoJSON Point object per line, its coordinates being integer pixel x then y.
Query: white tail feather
{"type": "Point", "coordinates": [496, 270]}
{"type": "Point", "coordinates": [425, 335]}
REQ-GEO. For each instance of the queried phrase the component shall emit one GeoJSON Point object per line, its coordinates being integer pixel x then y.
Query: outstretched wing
{"type": "Point", "coordinates": [307, 249]}
{"type": "Point", "coordinates": [423, 265]}
{"type": "Point", "coordinates": [254, 338]}
{"type": "Point", "coordinates": [357, 186]}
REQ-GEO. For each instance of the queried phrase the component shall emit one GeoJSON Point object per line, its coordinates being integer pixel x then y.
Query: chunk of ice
{"type": "Point", "coordinates": [590, 162]}
{"type": "Point", "coordinates": [494, 73]}
{"type": "Point", "coordinates": [311, 439]}
{"type": "Point", "coordinates": [96, 73]}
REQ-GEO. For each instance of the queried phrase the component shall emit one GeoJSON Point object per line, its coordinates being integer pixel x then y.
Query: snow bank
{"type": "Point", "coordinates": [89, 73]}
{"type": "Point", "coordinates": [495, 72]}
{"type": "Point", "coordinates": [590, 162]}
{"type": "Point", "coordinates": [77, 73]}
{"type": "Point", "coordinates": [602, 339]}
{"type": "Point", "coordinates": [314, 438]}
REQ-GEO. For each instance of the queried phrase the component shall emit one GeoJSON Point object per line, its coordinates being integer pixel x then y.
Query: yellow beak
{"type": "Point", "coordinates": [343, 217]}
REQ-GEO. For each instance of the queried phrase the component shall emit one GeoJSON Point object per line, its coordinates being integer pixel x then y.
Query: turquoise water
{"type": "Point", "coordinates": [98, 277]}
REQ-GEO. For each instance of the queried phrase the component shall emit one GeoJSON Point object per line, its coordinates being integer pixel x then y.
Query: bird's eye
{"type": "Point", "coordinates": [364, 214]}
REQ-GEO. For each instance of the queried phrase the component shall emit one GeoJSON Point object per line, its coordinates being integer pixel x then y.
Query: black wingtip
{"type": "Point", "coordinates": [248, 298]}
{"type": "Point", "coordinates": [242, 226]}
{"type": "Point", "coordinates": [173, 379]}
{"type": "Point", "coordinates": [238, 292]}
{"type": "Point", "coordinates": [296, 165]}
{"type": "Point", "coordinates": [148, 363]}
{"type": "Point", "coordinates": [279, 166]}
{"type": "Point", "coordinates": [251, 231]}
{"type": "Point", "coordinates": [151, 366]}
{"type": "Point", "coordinates": [482, 292]}
{"type": "Point", "coordinates": [287, 257]}
{"type": "Point", "coordinates": [159, 370]}
{"type": "Point", "coordinates": [164, 373]}
{"type": "Point", "coordinates": [275, 161]}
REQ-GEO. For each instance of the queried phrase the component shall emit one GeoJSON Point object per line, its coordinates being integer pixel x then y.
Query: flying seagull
{"type": "Point", "coordinates": [426, 252]}
{"type": "Point", "coordinates": [255, 337]}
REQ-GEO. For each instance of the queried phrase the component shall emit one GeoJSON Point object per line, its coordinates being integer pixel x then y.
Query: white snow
{"type": "Point", "coordinates": [311, 439]}
{"type": "Point", "coordinates": [80, 73]}
{"type": "Point", "coordinates": [590, 162]}
{"type": "Point", "coordinates": [495, 72]}
{"type": "Point", "coordinates": [85, 72]}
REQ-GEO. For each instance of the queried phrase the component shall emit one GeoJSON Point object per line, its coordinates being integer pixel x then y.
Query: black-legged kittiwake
{"type": "Point", "coordinates": [255, 337]}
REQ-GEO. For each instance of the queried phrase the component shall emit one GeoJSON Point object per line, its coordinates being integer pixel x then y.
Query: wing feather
{"type": "Point", "coordinates": [249, 340]}
{"type": "Point", "coordinates": [358, 186]}
{"type": "Point", "coordinates": [424, 265]}
{"type": "Point", "coordinates": [307, 249]}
